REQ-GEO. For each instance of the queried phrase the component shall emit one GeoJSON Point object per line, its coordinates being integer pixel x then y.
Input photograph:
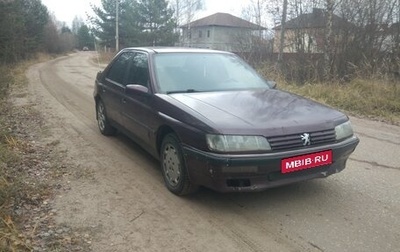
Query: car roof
{"type": "Point", "coordinates": [175, 50]}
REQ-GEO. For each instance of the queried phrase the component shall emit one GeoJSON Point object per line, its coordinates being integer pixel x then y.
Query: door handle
{"type": "Point", "coordinates": [123, 100]}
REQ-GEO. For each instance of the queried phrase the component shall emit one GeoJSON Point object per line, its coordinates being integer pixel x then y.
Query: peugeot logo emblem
{"type": "Point", "coordinates": [305, 138]}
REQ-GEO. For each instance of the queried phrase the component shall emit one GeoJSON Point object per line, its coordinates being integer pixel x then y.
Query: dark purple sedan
{"type": "Point", "coordinates": [212, 121]}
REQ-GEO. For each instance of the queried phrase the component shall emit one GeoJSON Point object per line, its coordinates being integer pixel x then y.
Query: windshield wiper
{"type": "Point", "coordinates": [183, 91]}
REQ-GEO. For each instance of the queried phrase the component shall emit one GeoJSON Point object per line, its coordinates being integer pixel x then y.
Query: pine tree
{"type": "Point", "coordinates": [85, 39]}
{"type": "Point", "coordinates": [156, 22]}
{"type": "Point", "coordinates": [142, 23]}
{"type": "Point", "coordinates": [22, 26]}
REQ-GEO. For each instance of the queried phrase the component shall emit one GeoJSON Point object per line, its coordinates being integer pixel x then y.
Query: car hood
{"type": "Point", "coordinates": [262, 111]}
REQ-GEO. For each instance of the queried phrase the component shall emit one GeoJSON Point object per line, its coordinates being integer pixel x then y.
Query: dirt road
{"type": "Point", "coordinates": [119, 200]}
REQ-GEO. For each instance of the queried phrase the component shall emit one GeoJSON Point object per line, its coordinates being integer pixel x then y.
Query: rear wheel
{"type": "Point", "coordinates": [102, 121]}
{"type": "Point", "coordinates": [173, 167]}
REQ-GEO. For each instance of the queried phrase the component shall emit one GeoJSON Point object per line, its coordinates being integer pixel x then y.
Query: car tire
{"type": "Point", "coordinates": [102, 121]}
{"type": "Point", "coordinates": [174, 168]}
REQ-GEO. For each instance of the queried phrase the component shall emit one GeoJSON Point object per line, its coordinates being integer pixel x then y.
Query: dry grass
{"type": "Point", "coordinates": [13, 186]}
{"type": "Point", "coordinates": [104, 57]}
{"type": "Point", "coordinates": [10, 238]}
{"type": "Point", "coordinates": [20, 157]}
{"type": "Point", "coordinates": [11, 189]}
{"type": "Point", "coordinates": [375, 98]}
{"type": "Point", "coordinates": [5, 79]}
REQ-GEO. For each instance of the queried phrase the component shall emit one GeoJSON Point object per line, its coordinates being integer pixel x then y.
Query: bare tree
{"type": "Point", "coordinates": [76, 24]}
{"type": "Point", "coordinates": [254, 46]}
{"type": "Point", "coordinates": [282, 38]}
{"type": "Point", "coordinates": [52, 38]}
{"type": "Point", "coordinates": [367, 44]}
{"type": "Point", "coordinates": [256, 12]}
{"type": "Point", "coordinates": [328, 40]}
{"type": "Point", "coordinates": [185, 10]}
{"type": "Point", "coordinates": [347, 37]}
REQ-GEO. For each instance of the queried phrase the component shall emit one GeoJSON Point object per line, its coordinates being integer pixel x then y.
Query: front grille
{"type": "Point", "coordinates": [294, 141]}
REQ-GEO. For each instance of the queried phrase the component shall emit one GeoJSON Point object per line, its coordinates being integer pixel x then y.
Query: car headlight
{"type": "Point", "coordinates": [343, 131]}
{"type": "Point", "coordinates": [232, 143]}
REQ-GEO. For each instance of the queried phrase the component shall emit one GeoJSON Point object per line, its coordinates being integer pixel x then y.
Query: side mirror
{"type": "Point", "coordinates": [136, 89]}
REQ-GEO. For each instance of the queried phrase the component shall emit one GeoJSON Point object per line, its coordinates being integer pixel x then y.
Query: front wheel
{"type": "Point", "coordinates": [173, 167]}
{"type": "Point", "coordinates": [102, 121]}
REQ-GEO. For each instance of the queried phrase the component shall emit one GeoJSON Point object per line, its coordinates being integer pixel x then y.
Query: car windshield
{"type": "Point", "coordinates": [201, 72]}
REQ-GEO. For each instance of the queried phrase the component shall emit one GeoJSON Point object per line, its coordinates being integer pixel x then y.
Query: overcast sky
{"type": "Point", "coordinates": [66, 10]}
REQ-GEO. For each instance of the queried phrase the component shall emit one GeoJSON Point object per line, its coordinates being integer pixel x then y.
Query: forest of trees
{"type": "Point", "coordinates": [27, 27]}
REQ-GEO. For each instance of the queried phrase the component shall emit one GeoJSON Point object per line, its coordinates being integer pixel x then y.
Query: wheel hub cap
{"type": "Point", "coordinates": [171, 165]}
{"type": "Point", "coordinates": [101, 117]}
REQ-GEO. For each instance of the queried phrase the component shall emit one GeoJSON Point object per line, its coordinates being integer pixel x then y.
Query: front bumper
{"type": "Point", "coordinates": [230, 173]}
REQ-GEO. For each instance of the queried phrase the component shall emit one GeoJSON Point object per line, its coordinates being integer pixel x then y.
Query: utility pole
{"type": "Point", "coordinates": [116, 26]}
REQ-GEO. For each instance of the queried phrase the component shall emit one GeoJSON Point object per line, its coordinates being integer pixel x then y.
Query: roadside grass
{"type": "Point", "coordinates": [11, 185]}
{"type": "Point", "coordinates": [30, 170]}
{"type": "Point", "coordinates": [104, 57]}
{"type": "Point", "coordinates": [9, 239]}
{"type": "Point", "coordinates": [16, 185]}
{"type": "Point", "coordinates": [374, 98]}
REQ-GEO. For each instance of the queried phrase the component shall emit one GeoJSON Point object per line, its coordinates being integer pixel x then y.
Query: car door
{"type": "Point", "coordinates": [113, 88]}
{"type": "Point", "coordinates": [139, 116]}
